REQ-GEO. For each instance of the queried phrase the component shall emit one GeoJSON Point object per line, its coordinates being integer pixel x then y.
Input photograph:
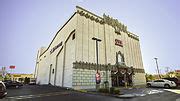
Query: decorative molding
{"type": "Point", "coordinates": [118, 26]}
{"type": "Point", "coordinates": [131, 35]}
{"type": "Point", "coordinates": [89, 15]}
{"type": "Point", "coordinates": [102, 67]}
{"type": "Point", "coordinates": [93, 66]}
{"type": "Point", "coordinates": [89, 66]}
{"type": "Point", "coordinates": [106, 19]}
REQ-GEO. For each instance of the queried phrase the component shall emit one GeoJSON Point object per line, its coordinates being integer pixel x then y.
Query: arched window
{"type": "Point", "coordinates": [119, 58]}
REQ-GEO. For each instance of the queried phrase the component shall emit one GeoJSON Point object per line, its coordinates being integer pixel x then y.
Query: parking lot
{"type": "Point", "coordinates": [51, 93]}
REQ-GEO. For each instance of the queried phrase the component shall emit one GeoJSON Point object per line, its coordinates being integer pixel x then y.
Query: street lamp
{"type": "Point", "coordinates": [97, 40]}
{"type": "Point", "coordinates": [157, 66]}
{"type": "Point", "coordinates": [98, 77]}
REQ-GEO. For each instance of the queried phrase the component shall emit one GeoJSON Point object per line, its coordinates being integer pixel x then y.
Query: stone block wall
{"type": "Point", "coordinates": [85, 78]}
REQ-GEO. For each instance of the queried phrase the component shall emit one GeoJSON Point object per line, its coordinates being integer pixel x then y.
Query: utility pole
{"type": "Point", "coordinates": [157, 67]}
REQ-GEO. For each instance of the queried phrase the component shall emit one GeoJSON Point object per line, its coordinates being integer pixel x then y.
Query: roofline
{"type": "Point", "coordinates": [89, 12]}
{"type": "Point", "coordinates": [102, 18]}
{"type": "Point", "coordinates": [57, 33]}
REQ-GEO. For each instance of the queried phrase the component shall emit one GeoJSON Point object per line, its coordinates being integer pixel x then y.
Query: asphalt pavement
{"type": "Point", "coordinates": [51, 93]}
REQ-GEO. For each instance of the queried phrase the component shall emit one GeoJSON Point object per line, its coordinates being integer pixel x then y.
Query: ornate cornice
{"type": "Point", "coordinates": [90, 66]}
{"type": "Point", "coordinates": [106, 19]}
{"type": "Point", "coordinates": [118, 26]}
{"type": "Point", "coordinates": [93, 66]}
{"type": "Point", "coordinates": [131, 35]}
{"type": "Point", "coordinates": [89, 15]}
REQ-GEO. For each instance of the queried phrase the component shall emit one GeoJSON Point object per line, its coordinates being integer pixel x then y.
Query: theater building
{"type": "Point", "coordinates": [70, 60]}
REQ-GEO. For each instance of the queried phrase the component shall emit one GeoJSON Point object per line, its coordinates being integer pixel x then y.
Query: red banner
{"type": "Point", "coordinates": [12, 67]}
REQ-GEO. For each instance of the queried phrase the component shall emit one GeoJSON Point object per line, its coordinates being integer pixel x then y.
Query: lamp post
{"type": "Point", "coordinates": [98, 79]}
{"type": "Point", "coordinates": [97, 40]}
{"type": "Point", "coordinates": [157, 66]}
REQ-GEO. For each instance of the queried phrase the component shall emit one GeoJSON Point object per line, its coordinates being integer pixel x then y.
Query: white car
{"type": "Point", "coordinates": [161, 83]}
{"type": "Point", "coordinates": [3, 91]}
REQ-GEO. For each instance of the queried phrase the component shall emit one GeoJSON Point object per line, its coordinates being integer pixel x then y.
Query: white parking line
{"type": "Point", "coordinates": [177, 91]}
{"type": "Point", "coordinates": [155, 91]}
{"type": "Point", "coordinates": [38, 95]}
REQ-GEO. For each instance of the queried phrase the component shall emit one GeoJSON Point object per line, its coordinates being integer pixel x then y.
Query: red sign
{"type": "Point", "coordinates": [118, 42]}
{"type": "Point", "coordinates": [98, 78]}
{"type": "Point", "coordinates": [177, 70]}
{"type": "Point", "coordinates": [12, 67]}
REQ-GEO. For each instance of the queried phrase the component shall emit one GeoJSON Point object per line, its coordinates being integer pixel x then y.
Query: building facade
{"type": "Point", "coordinates": [20, 77]}
{"type": "Point", "coordinates": [71, 58]}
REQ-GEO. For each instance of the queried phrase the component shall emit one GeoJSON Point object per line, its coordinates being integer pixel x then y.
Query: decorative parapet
{"type": "Point", "coordinates": [90, 66]}
{"type": "Point", "coordinates": [93, 66]}
{"type": "Point", "coordinates": [131, 35]}
{"type": "Point", "coordinates": [106, 19]}
{"type": "Point", "coordinates": [118, 26]}
{"type": "Point", "coordinates": [89, 15]}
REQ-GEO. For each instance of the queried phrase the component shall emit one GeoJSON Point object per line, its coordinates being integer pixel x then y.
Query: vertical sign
{"type": "Point", "coordinates": [98, 78]}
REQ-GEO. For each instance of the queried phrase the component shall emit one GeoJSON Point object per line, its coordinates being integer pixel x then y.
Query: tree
{"type": "Point", "coordinates": [25, 80]}
{"type": "Point", "coordinates": [21, 80]}
{"type": "Point", "coordinates": [150, 77]}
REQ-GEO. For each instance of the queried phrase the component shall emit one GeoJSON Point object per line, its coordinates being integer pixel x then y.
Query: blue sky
{"type": "Point", "coordinates": [26, 25]}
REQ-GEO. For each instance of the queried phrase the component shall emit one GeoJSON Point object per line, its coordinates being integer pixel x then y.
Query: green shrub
{"type": "Point", "coordinates": [82, 90]}
{"type": "Point", "coordinates": [114, 90]}
{"type": "Point", "coordinates": [103, 90]}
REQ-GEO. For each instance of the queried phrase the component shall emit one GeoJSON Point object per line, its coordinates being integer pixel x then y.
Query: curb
{"type": "Point", "coordinates": [106, 94]}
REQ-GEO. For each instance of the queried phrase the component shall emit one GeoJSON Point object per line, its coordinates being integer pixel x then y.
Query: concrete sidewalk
{"type": "Point", "coordinates": [127, 92]}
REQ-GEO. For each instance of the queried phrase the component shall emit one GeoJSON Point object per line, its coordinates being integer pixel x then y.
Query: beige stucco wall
{"type": "Point", "coordinates": [83, 48]}
{"type": "Point", "coordinates": [47, 59]}
{"type": "Point", "coordinates": [139, 79]}
{"type": "Point", "coordinates": [86, 47]}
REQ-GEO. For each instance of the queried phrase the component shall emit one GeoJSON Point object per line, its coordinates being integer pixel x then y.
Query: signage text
{"type": "Point", "coordinates": [118, 42]}
{"type": "Point", "coordinates": [55, 47]}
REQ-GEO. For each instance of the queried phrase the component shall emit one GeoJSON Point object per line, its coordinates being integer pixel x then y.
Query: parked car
{"type": "Point", "coordinates": [3, 91]}
{"type": "Point", "coordinates": [161, 83]}
{"type": "Point", "coordinates": [10, 83]}
{"type": "Point", "coordinates": [176, 80]}
{"type": "Point", "coordinates": [32, 81]}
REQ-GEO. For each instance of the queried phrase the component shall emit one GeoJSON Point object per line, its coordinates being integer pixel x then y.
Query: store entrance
{"type": "Point", "coordinates": [121, 79]}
